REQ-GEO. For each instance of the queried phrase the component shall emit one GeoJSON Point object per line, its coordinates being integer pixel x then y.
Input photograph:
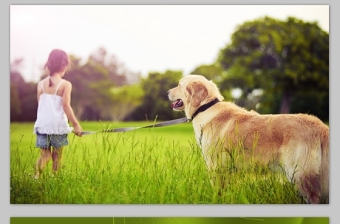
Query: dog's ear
{"type": "Point", "coordinates": [198, 92]}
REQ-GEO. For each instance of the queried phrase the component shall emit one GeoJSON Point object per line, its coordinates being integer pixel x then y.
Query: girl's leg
{"type": "Point", "coordinates": [56, 157]}
{"type": "Point", "coordinates": [45, 157]}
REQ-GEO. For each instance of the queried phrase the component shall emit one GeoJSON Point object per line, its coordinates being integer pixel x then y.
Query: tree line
{"type": "Point", "coordinates": [277, 66]}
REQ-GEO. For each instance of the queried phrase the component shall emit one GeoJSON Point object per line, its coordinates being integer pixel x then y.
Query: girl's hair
{"type": "Point", "coordinates": [57, 61]}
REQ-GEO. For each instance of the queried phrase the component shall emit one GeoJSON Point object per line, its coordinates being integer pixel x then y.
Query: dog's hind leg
{"type": "Point", "coordinates": [302, 168]}
{"type": "Point", "coordinates": [308, 185]}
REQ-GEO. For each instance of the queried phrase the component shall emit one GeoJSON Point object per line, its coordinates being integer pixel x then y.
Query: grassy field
{"type": "Point", "coordinates": [145, 166]}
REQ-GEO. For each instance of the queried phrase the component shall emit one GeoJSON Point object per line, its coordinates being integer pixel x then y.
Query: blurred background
{"type": "Point", "coordinates": [268, 58]}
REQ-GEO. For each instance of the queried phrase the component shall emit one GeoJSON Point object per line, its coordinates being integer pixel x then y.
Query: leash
{"type": "Point", "coordinates": [161, 124]}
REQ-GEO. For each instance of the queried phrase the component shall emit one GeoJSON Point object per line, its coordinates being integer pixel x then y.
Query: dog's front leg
{"type": "Point", "coordinates": [215, 160]}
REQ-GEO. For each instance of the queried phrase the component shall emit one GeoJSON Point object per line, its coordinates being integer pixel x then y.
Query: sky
{"type": "Point", "coordinates": [145, 38]}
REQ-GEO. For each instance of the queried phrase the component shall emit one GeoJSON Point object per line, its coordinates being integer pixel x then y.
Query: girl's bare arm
{"type": "Point", "coordinates": [68, 109]}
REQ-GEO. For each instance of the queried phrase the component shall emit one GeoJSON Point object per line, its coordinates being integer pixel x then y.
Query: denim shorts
{"type": "Point", "coordinates": [47, 141]}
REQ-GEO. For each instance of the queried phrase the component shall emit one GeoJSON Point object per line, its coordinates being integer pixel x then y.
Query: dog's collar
{"type": "Point", "coordinates": [204, 107]}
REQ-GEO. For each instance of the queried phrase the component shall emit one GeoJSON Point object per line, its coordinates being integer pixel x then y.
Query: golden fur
{"type": "Point", "coordinates": [299, 143]}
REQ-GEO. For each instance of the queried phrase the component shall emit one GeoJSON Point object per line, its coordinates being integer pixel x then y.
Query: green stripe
{"type": "Point", "coordinates": [169, 220]}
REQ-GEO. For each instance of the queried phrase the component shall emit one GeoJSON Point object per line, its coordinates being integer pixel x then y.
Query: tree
{"type": "Point", "coordinates": [210, 71]}
{"type": "Point", "coordinates": [155, 104]}
{"type": "Point", "coordinates": [283, 58]}
{"type": "Point", "coordinates": [91, 92]}
{"type": "Point", "coordinates": [16, 83]}
{"type": "Point", "coordinates": [111, 64]}
{"type": "Point", "coordinates": [93, 97]}
{"type": "Point", "coordinates": [213, 72]}
{"type": "Point", "coordinates": [118, 73]}
{"type": "Point", "coordinates": [23, 96]}
{"type": "Point", "coordinates": [125, 100]}
{"type": "Point", "coordinates": [15, 107]}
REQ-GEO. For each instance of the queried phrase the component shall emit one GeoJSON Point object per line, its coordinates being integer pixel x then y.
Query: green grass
{"type": "Point", "coordinates": [145, 166]}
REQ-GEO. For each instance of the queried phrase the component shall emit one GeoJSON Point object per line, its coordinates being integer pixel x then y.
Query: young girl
{"type": "Point", "coordinates": [54, 111]}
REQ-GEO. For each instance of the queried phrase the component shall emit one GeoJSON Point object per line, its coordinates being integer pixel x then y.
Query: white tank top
{"type": "Point", "coordinates": [51, 118]}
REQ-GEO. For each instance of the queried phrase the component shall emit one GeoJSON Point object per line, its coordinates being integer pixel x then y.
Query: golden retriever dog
{"type": "Point", "coordinates": [297, 143]}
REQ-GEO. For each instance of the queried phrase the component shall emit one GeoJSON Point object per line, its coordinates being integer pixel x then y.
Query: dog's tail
{"type": "Point", "coordinates": [325, 167]}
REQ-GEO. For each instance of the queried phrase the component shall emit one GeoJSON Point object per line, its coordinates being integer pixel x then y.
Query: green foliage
{"type": "Point", "coordinates": [23, 98]}
{"type": "Point", "coordinates": [211, 72]}
{"type": "Point", "coordinates": [126, 99]}
{"type": "Point", "coordinates": [283, 58]}
{"type": "Point", "coordinates": [155, 103]}
{"type": "Point", "coordinates": [91, 86]}
{"type": "Point", "coordinates": [18, 92]}
{"type": "Point", "coordinates": [15, 102]}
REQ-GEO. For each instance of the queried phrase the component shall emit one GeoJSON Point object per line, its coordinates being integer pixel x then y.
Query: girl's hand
{"type": "Point", "coordinates": [78, 130]}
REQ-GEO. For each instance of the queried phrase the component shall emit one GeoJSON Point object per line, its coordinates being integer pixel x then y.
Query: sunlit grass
{"type": "Point", "coordinates": [146, 166]}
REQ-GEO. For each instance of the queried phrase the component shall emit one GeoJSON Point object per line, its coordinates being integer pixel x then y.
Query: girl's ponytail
{"type": "Point", "coordinates": [50, 82]}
